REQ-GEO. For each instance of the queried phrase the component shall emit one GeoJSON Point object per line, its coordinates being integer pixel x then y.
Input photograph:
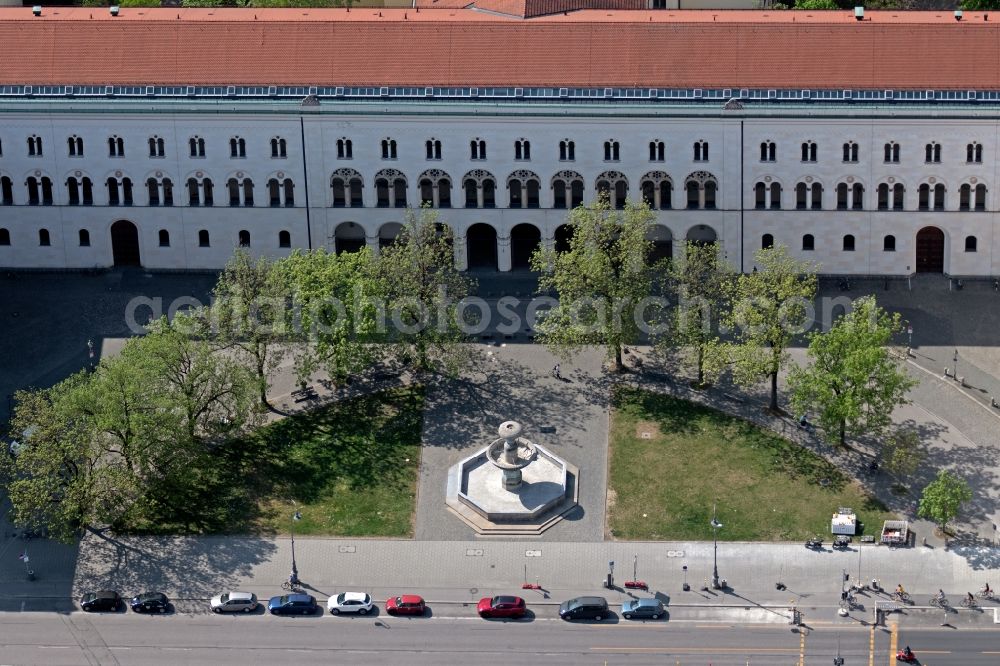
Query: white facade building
{"type": "Point", "coordinates": [171, 176]}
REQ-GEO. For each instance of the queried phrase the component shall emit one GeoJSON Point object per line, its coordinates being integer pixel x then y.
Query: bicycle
{"type": "Point", "coordinates": [969, 603]}
{"type": "Point", "coordinates": [293, 587]}
{"type": "Point", "coordinates": [939, 600]}
{"type": "Point", "coordinates": [903, 597]}
{"type": "Point", "coordinates": [989, 595]}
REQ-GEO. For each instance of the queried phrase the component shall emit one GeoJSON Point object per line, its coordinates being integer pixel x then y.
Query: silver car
{"type": "Point", "coordinates": [234, 602]}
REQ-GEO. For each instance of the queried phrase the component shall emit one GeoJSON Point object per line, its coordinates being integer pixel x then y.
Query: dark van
{"type": "Point", "coordinates": [584, 608]}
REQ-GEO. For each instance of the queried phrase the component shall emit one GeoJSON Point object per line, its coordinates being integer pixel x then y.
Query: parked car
{"type": "Point", "coordinates": [293, 604]}
{"type": "Point", "coordinates": [150, 602]}
{"type": "Point", "coordinates": [579, 608]}
{"type": "Point", "coordinates": [406, 604]}
{"type": "Point", "coordinates": [501, 606]}
{"type": "Point", "coordinates": [350, 602]}
{"type": "Point", "coordinates": [234, 602]}
{"type": "Point", "coordinates": [102, 600]}
{"type": "Point", "coordinates": [639, 608]}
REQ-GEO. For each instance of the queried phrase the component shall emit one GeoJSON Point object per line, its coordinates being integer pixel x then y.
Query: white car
{"type": "Point", "coordinates": [234, 602]}
{"type": "Point", "coordinates": [350, 602]}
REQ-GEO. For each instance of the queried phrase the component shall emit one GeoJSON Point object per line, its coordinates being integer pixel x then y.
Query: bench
{"type": "Point", "coordinates": [303, 394]}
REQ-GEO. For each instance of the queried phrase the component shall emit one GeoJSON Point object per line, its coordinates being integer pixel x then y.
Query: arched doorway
{"type": "Point", "coordinates": [481, 245]}
{"type": "Point", "coordinates": [388, 233]}
{"type": "Point", "coordinates": [930, 250]}
{"type": "Point", "coordinates": [524, 240]}
{"type": "Point", "coordinates": [125, 243]}
{"type": "Point", "coordinates": [564, 233]}
{"type": "Point", "coordinates": [349, 237]}
{"type": "Point", "coordinates": [702, 234]}
{"type": "Point", "coordinates": [663, 243]}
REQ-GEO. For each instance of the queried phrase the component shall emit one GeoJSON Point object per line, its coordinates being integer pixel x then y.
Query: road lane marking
{"type": "Point", "coordinates": [802, 648]}
{"type": "Point", "coordinates": [893, 643]}
{"type": "Point", "coordinates": [871, 646]}
{"type": "Point", "coordinates": [693, 650]}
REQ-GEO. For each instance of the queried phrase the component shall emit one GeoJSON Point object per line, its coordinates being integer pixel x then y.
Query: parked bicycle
{"type": "Point", "coordinates": [293, 587]}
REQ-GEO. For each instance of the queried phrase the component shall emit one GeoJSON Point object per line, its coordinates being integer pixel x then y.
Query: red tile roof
{"type": "Point", "coordinates": [454, 47]}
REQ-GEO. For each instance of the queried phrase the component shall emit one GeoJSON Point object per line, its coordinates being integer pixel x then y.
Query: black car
{"type": "Point", "coordinates": [150, 602]}
{"type": "Point", "coordinates": [104, 600]}
{"type": "Point", "coordinates": [293, 604]}
{"type": "Point", "coordinates": [584, 608]}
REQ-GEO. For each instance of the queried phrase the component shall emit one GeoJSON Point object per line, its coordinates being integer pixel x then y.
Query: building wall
{"type": "Point", "coordinates": [311, 158]}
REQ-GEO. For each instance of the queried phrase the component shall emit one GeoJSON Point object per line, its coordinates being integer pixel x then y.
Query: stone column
{"type": "Point", "coordinates": [461, 253]}
{"type": "Point", "coordinates": [504, 259]}
{"type": "Point", "coordinates": [656, 198]}
{"type": "Point", "coordinates": [701, 196]}
{"type": "Point", "coordinates": [479, 195]}
{"type": "Point", "coordinates": [372, 243]}
{"type": "Point", "coordinates": [435, 196]}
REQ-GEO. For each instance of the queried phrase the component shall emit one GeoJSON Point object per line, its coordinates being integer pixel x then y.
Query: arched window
{"type": "Point", "coordinates": [84, 238]}
{"type": "Point", "coordinates": [279, 147]}
{"type": "Point", "coordinates": [924, 197]}
{"type": "Point", "coordinates": [34, 146]}
{"type": "Point", "coordinates": [247, 192]}
{"type": "Point", "coordinates": [339, 192]}
{"type": "Point", "coordinates": [284, 239]}
{"type": "Point", "coordinates": [932, 152]}
{"type": "Point", "coordinates": [157, 146]}
{"type": "Point", "coordinates": [289, 191]}
{"type": "Point", "coordinates": [970, 243]}
{"type": "Point", "coordinates": [775, 196]}
{"type": "Point", "coordinates": [233, 186]}
{"type": "Point", "coordinates": [965, 197]}
{"type": "Point", "coordinates": [567, 150]}
{"type": "Point", "coordinates": [939, 192]}
{"type": "Point", "coordinates": [433, 147]}
{"type": "Point", "coordinates": [841, 196]}
{"type": "Point", "coordinates": [801, 196]}
{"type": "Point", "coordinates": [980, 197]}
{"type": "Point", "coordinates": [766, 242]}
{"type": "Point", "coordinates": [808, 243]}
{"type": "Point", "coordinates": [974, 153]}
{"type": "Point", "coordinates": [701, 151]}
{"type": "Point", "coordinates": [477, 149]}
{"type": "Point", "coordinates": [522, 150]}
{"type": "Point", "coordinates": [882, 194]}
{"type": "Point", "coordinates": [768, 151]}
{"type": "Point", "coordinates": [164, 238]}
{"type": "Point", "coordinates": [612, 151]}
{"type": "Point", "coordinates": [850, 152]}
{"type": "Point", "coordinates": [168, 192]}
{"type": "Point", "coordinates": [75, 145]}
{"type": "Point", "coordinates": [388, 149]}
{"type": "Point", "coordinates": [898, 192]}
{"type": "Point", "coordinates": [849, 243]}
{"type": "Point", "coordinates": [857, 197]}
{"type": "Point", "coordinates": [817, 196]}
{"type": "Point", "coordinates": [4, 237]}
{"type": "Point", "coordinates": [196, 144]}
{"type": "Point", "coordinates": [194, 198]}
{"type": "Point", "coordinates": [889, 244]}
{"type": "Point", "coordinates": [127, 191]}
{"type": "Point", "coordinates": [809, 151]}
{"type": "Point", "coordinates": [345, 149]}
{"type": "Point", "coordinates": [657, 151]}
{"type": "Point", "coordinates": [891, 150]}
{"type": "Point", "coordinates": [72, 191]}
{"type": "Point", "coordinates": [43, 238]}
{"type": "Point", "coordinates": [237, 147]}
{"type": "Point", "coordinates": [113, 196]}
{"type": "Point", "coordinates": [153, 190]}
{"type": "Point", "coordinates": [692, 194]}
{"type": "Point", "coordinates": [203, 238]}
{"type": "Point", "coordinates": [274, 192]}
{"type": "Point", "coordinates": [760, 196]}
{"type": "Point", "coordinates": [6, 191]}
{"type": "Point", "coordinates": [244, 238]}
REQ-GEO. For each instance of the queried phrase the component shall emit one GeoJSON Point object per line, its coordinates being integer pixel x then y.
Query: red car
{"type": "Point", "coordinates": [501, 607]}
{"type": "Point", "coordinates": [407, 604]}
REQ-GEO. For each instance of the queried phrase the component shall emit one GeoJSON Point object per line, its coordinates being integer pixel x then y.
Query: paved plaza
{"type": "Point", "coordinates": [50, 317]}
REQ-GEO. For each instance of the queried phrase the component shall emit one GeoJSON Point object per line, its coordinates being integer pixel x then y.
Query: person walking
{"type": "Point", "coordinates": [555, 372]}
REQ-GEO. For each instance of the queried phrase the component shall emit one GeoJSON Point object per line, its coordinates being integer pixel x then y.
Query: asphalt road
{"type": "Point", "coordinates": [458, 637]}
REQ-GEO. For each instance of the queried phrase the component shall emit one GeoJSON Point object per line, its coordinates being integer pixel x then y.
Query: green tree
{"type": "Point", "coordinates": [416, 279]}
{"type": "Point", "coordinates": [769, 306]}
{"type": "Point", "coordinates": [249, 315]}
{"type": "Point", "coordinates": [600, 280]}
{"type": "Point", "coordinates": [698, 281]}
{"type": "Point", "coordinates": [943, 498]}
{"type": "Point", "coordinates": [853, 383]}
{"type": "Point", "coordinates": [903, 453]}
{"type": "Point", "coordinates": [334, 316]}
{"type": "Point", "coordinates": [979, 5]}
{"type": "Point", "coordinates": [815, 4]}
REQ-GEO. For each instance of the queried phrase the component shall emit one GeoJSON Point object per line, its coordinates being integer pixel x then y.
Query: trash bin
{"type": "Point", "coordinates": [31, 574]}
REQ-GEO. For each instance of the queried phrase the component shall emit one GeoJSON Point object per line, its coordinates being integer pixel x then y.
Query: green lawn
{"type": "Point", "coordinates": [350, 469]}
{"type": "Point", "coordinates": [768, 489]}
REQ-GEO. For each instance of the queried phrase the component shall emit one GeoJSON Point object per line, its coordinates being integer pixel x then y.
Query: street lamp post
{"type": "Point", "coordinates": [909, 333]}
{"type": "Point", "coordinates": [294, 578]}
{"type": "Point", "coordinates": [715, 549]}
{"type": "Point", "coordinates": [954, 359]}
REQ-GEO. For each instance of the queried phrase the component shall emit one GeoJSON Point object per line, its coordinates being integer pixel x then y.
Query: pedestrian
{"type": "Point", "coordinates": [555, 372]}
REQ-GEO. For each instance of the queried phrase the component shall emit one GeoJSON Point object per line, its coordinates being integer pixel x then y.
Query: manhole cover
{"type": "Point", "coordinates": [473, 552]}
{"type": "Point", "coordinates": [532, 553]}
{"type": "Point", "coordinates": [347, 549]}
{"type": "Point", "coordinates": [646, 435]}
